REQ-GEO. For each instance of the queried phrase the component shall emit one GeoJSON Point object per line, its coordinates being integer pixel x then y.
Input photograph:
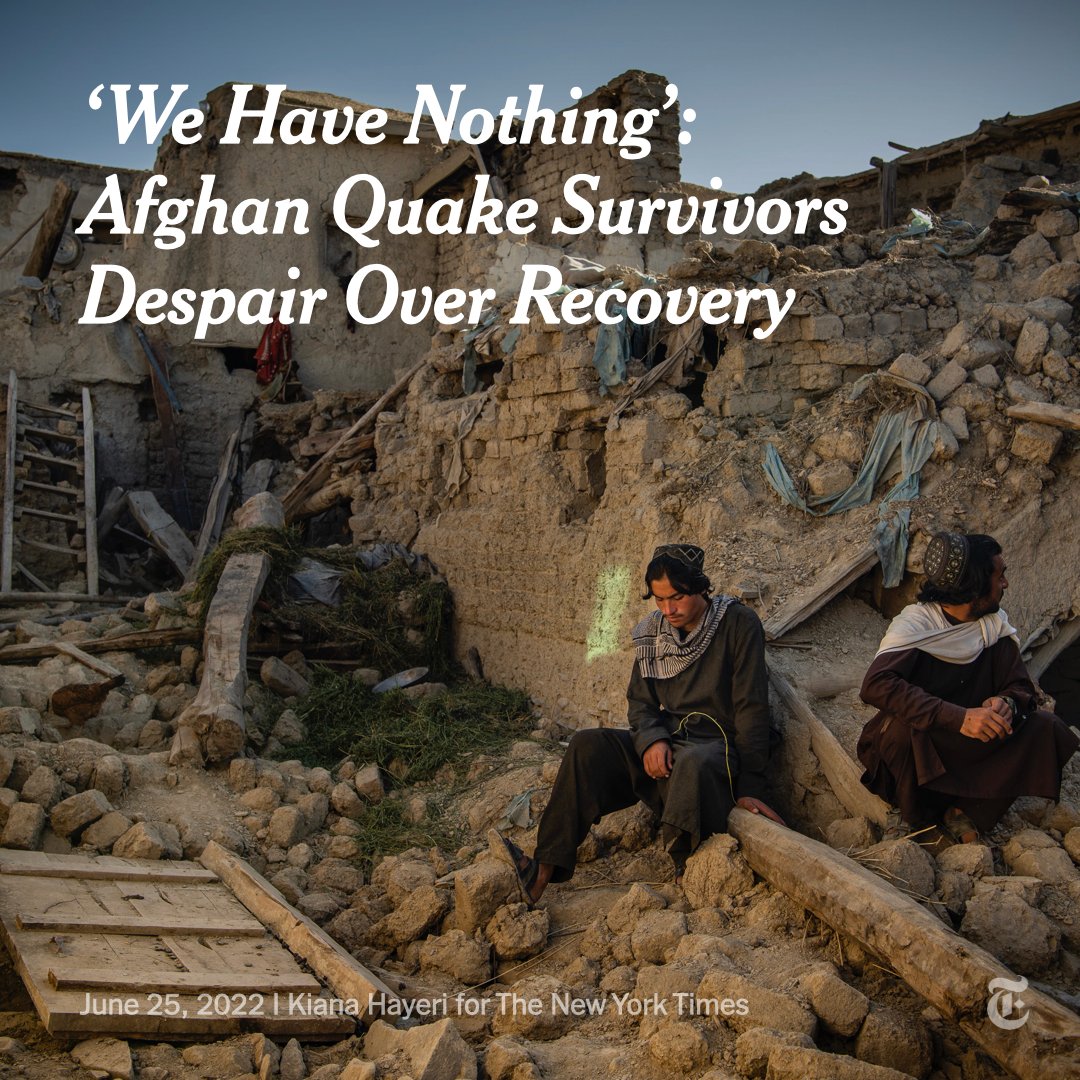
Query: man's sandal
{"type": "Point", "coordinates": [510, 853]}
{"type": "Point", "coordinates": [959, 826]}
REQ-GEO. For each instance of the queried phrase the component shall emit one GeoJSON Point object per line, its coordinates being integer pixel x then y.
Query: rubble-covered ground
{"type": "Point", "coordinates": [542, 477]}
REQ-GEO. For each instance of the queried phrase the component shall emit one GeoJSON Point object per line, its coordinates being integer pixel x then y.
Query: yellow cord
{"type": "Point", "coordinates": [727, 764]}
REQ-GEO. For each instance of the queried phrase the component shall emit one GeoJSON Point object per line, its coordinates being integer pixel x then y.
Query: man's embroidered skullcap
{"type": "Point", "coordinates": [946, 559]}
{"type": "Point", "coordinates": [690, 554]}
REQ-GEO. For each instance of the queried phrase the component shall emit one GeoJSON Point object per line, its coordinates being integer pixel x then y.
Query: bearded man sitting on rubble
{"type": "Point", "coordinates": [959, 734]}
{"type": "Point", "coordinates": [699, 733]}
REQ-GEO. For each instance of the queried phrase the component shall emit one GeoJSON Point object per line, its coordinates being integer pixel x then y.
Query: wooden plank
{"type": "Point", "coordinates": [102, 868]}
{"type": "Point", "coordinates": [162, 530]}
{"type": "Point", "coordinates": [22, 597]}
{"type": "Point", "coordinates": [90, 494]}
{"type": "Point", "coordinates": [149, 981]}
{"type": "Point", "coordinates": [32, 578]}
{"type": "Point", "coordinates": [1041, 413]}
{"type": "Point", "coordinates": [953, 974]}
{"type": "Point", "coordinates": [816, 595]}
{"type": "Point", "coordinates": [51, 230]}
{"type": "Point", "coordinates": [50, 515]}
{"type": "Point", "coordinates": [216, 506]}
{"type": "Point", "coordinates": [318, 474]}
{"type": "Point", "coordinates": [76, 553]}
{"type": "Point", "coordinates": [84, 658]}
{"type": "Point", "coordinates": [49, 433]}
{"type": "Point", "coordinates": [49, 459]}
{"type": "Point", "coordinates": [322, 441]}
{"type": "Point", "coordinates": [120, 924]}
{"type": "Point", "coordinates": [50, 410]}
{"type": "Point", "coordinates": [1047, 653]}
{"type": "Point", "coordinates": [140, 639]}
{"type": "Point", "coordinates": [346, 976]}
{"type": "Point", "coordinates": [839, 768]}
{"type": "Point", "coordinates": [216, 715]}
{"type": "Point", "coordinates": [11, 424]}
{"type": "Point", "coordinates": [55, 489]}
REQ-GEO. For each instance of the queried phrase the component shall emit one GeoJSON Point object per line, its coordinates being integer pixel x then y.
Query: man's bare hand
{"type": "Point", "coordinates": [985, 724]}
{"type": "Point", "coordinates": [756, 806]}
{"type": "Point", "coordinates": [1000, 706]}
{"type": "Point", "coordinates": [658, 760]}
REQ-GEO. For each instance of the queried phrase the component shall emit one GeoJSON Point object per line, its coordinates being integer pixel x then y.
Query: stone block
{"type": "Point", "coordinates": [1060, 222]}
{"type": "Point", "coordinates": [279, 677]}
{"type": "Point", "coordinates": [72, 815]}
{"type": "Point", "coordinates": [830, 478]}
{"type": "Point", "coordinates": [716, 873]}
{"type": "Point", "coordinates": [368, 783]}
{"type": "Point", "coordinates": [17, 720]}
{"type": "Point", "coordinates": [956, 419]}
{"type": "Point", "coordinates": [889, 1038]}
{"type": "Point", "coordinates": [1031, 346]}
{"type": "Point", "coordinates": [910, 367]}
{"type": "Point", "coordinates": [678, 1047]}
{"type": "Point", "coordinates": [820, 376]}
{"type": "Point", "coordinates": [857, 326]}
{"type": "Point", "coordinates": [458, 955]}
{"type": "Point", "coordinates": [1061, 281]}
{"type": "Point", "coordinates": [951, 376]}
{"type": "Point", "coordinates": [657, 935]}
{"type": "Point", "coordinates": [905, 864]}
{"type": "Point", "coordinates": [345, 801]}
{"type": "Point", "coordinates": [912, 320]}
{"type": "Point", "coordinates": [1005, 924]}
{"type": "Point", "coordinates": [480, 890]}
{"type": "Point", "coordinates": [43, 787]}
{"type": "Point", "coordinates": [287, 827]}
{"type": "Point", "coordinates": [851, 834]}
{"type": "Point", "coordinates": [1032, 251]}
{"type": "Point", "coordinates": [24, 827]}
{"type": "Point", "coordinates": [104, 832]}
{"type": "Point", "coordinates": [518, 933]}
{"type": "Point", "coordinates": [755, 1005]}
{"type": "Point", "coordinates": [541, 1023]}
{"type": "Point", "coordinates": [980, 351]}
{"type": "Point", "coordinates": [975, 860]}
{"type": "Point", "coordinates": [840, 1007]}
{"type": "Point", "coordinates": [987, 376]}
{"type": "Point", "coordinates": [753, 1048]}
{"type": "Point", "coordinates": [149, 840]}
{"type": "Point", "coordinates": [886, 323]}
{"type": "Point", "coordinates": [111, 1057]}
{"type": "Point", "coordinates": [1036, 442]}
{"type": "Point", "coordinates": [1051, 310]}
{"type": "Point", "coordinates": [822, 328]}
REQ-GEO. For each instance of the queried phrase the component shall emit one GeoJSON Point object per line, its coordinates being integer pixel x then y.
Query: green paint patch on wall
{"type": "Point", "coordinates": [612, 595]}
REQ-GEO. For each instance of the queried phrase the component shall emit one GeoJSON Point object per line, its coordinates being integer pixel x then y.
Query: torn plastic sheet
{"type": "Point", "coordinates": [380, 554]}
{"type": "Point", "coordinates": [891, 541]}
{"type": "Point", "coordinates": [921, 224]}
{"type": "Point", "coordinates": [612, 351]}
{"type": "Point", "coordinates": [457, 474]}
{"type": "Point", "coordinates": [315, 583]}
{"type": "Point", "coordinates": [518, 812]}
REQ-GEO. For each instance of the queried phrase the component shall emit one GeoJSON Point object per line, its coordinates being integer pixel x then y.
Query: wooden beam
{"type": "Point", "coordinates": [216, 506]}
{"type": "Point", "coordinates": [51, 231]}
{"type": "Point", "coordinates": [951, 973]}
{"type": "Point", "coordinates": [345, 976]}
{"type": "Point", "coordinates": [140, 639]}
{"type": "Point", "coordinates": [133, 924]}
{"type": "Point", "coordinates": [90, 494]}
{"type": "Point", "coordinates": [836, 763]}
{"type": "Point", "coordinates": [100, 666]}
{"type": "Point", "coordinates": [443, 170]}
{"type": "Point", "coordinates": [179, 981]}
{"type": "Point", "coordinates": [11, 423]}
{"type": "Point", "coordinates": [1041, 413]}
{"type": "Point", "coordinates": [102, 868]}
{"type": "Point", "coordinates": [319, 473]}
{"type": "Point", "coordinates": [162, 530]}
{"type": "Point", "coordinates": [833, 580]}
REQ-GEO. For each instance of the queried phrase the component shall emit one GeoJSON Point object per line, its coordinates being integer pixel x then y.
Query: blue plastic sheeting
{"type": "Point", "coordinates": [913, 433]}
{"type": "Point", "coordinates": [612, 352]}
{"type": "Point", "coordinates": [891, 541]}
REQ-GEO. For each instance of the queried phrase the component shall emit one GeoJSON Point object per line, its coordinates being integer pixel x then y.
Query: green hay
{"type": "Point", "coordinates": [386, 830]}
{"type": "Point", "coordinates": [369, 617]}
{"type": "Point", "coordinates": [411, 739]}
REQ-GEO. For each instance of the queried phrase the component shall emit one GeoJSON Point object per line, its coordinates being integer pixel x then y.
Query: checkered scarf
{"type": "Point", "coordinates": [661, 654]}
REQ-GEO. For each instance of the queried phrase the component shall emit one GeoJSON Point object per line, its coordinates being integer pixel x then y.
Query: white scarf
{"type": "Point", "coordinates": [925, 627]}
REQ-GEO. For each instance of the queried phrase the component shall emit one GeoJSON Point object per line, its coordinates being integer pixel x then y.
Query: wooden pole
{"type": "Point", "coordinates": [51, 231]}
{"type": "Point", "coordinates": [948, 971]}
{"type": "Point", "coordinates": [318, 474]}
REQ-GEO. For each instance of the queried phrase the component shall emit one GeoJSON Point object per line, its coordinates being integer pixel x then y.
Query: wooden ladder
{"type": "Point", "coordinates": [61, 440]}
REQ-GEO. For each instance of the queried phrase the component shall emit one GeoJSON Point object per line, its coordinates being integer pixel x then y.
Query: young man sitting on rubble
{"type": "Point", "coordinates": [959, 735]}
{"type": "Point", "coordinates": [698, 742]}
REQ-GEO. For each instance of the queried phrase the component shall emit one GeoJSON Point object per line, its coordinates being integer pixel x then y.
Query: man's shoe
{"type": "Point", "coordinates": [525, 868]}
{"type": "Point", "coordinates": [960, 827]}
{"type": "Point", "coordinates": [896, 828]}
